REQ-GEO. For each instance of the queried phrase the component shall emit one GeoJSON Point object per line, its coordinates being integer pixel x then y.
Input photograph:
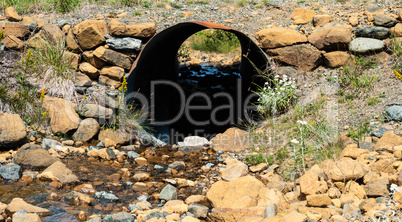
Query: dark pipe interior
{"type": "Point", "coordinates": [158, 61]}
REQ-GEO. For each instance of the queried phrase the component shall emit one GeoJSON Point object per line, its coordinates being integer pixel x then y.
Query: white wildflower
{"type": "Point", "coordinates": [301, 122]}
{"type": "Point", "coordinates": [295, 141]}
{"type": "Point", "coordinates": [395, 188]}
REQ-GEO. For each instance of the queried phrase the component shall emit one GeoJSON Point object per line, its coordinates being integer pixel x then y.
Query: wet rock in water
{"type": "Point", "coordinates": [132, 155]}
{"type": "Point", "coordinates": [59, 171]}
{"type": "Point", "coordinates": [169, 192]}
{"type": "Point", "coordinates": [159, 169]}
{"type": "Point", "coordinates": [12, 131]}
{"type": "Point", "coordinates": [111, 154]}
{"type": "Point", "coordinates": [18, 204]}
{"type": "Point", "coordinates": [379, 133]}
{"type": "Point", "coordinates": [365, 45]}
{"type": "Point", "coordinates": [177, 165]}
{"type": "Point", "coordinates": [198, 210]}
{"type": "Point", "coordinates": [31, 217]}
{"type": "Point", "coordinates": [118, 217]}
{"type": "Point", "coordinates": [192, 144]}
{"type": "Point", "coordinates": [124, 43]}
{"type": "Point", "coordinates": [106, 196]}
{"type": "Point", "coordinates": [394, 113]}
{"type": "Point", "coordinates": [51, 143]}
{"type": "Point", "coordinates": [10, 172]}
{"type": "Point", "coordinates": [33, 156]}
{"type": "Point", "coordinates": [373, 32]}
{"type": "Point", "coordinates": [75, 197]}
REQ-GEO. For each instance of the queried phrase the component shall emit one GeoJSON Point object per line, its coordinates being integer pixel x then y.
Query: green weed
{"type": "Point", "coordinates": [65, 5]}
{"type": "Point", "coordinates": [357, 132]}
{"type": "Point", "coordinates": [214, 41]}
{"type": "Point", "coordinates": [254, 159]}
{"type": "Point", "coordinates": [372, 101]}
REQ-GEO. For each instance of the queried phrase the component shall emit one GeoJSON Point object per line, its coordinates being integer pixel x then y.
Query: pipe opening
{"type": "Point", "coordinates": [202, 98]}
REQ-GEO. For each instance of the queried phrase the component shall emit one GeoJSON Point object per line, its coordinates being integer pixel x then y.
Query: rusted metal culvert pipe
{"type": "Point", "coordinates": [157, 62]}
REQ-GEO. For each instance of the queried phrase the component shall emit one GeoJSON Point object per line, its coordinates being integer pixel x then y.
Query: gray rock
{"type": "Point", "coordinates": [209, 165]}
{"type": "Point", "coordinates": [379, 133]}
{"type": "Point", "coordinates": [192, 144]}
{"type": "Point", "coordinates": [111, 154]}
{"type": "Point", "coordinates": [51, 143]}
{"type": "Point", "coordinates": [11, 172]}
{"type": "Point", "coordinates": [373, 32]}
{"type": "Point", "coordinates": [96, 219]}
{"type": "Point", "coordinates": [394, 113]}
{"type": "Point", "coordinates": [159, 169]}
{"type": "Point", "coordinates": [365, 145]}
{"type": "Point", "coordinates": [132, 155]}
{"type": "Point", "coordinates": [270, 211]}
{"type": "Point", "coordinates": [101, 144]}
{"type": "Point", "coordinates": [118, 217]}
{"type": "Point", "coordinates": [351, 212]}
{"type": "Point", "coordinates": [21, 212]}
{"type": "Point", "coordinates": [142, 197]}
{"type": "Point", "coordinates": [131, 207]}
{"type": "Point", "coordinates": [384, 20]}
{"type": "Point", "coordinates": [177, 165]}
{"type": "Point", "coordinates": [33, 26]}
{"type": "Point", "coordinates": [124, 43]}
{"type": "Point", "coordinates": [199, 211]}
{"type": "Point", "coordinates": [106, 196]}
{"type": "Point", "coordinates": [155, 214]}
{"type": "Point", "coordinates": [96, 111]}
{"type": "Point", "coordinates": [364, 45]}
{"type": "Point", "coordinates": [169, 192]}
{"type": "Point", "coordinates": [61, 22]}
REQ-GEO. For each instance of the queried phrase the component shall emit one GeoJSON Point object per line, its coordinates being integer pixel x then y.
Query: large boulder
{"type": "Point", "coordinates": [397, 30]}
{"type": "Point", "coordinates": [71, 42]}
{"type": "Point", "coordinates": [233, 139]}
{"type": "Point", "coordinates": [388, 141]}
{"type": "Point", "coordinates": [15, 29]}
{"type": "Point", "coordinates": [279, 37]}
{"type": "Point", "coordinates": [59, 171]}
{"type": "Point", "coordinates": [135, 30]}
{"type": "Point", "coordinates": [96, 111]}
{"type": "Point", "coordinates": [117, 136]}
{"type": "Point", "coordinates": [304, 57]}
{"type": "Point", "coordinates": [100, 24]}
{"type": "Point", "coordinates": [87, 130]}
{"type": "Point", "coordinates": [311, 184]}
{"type": "Point", "coordinates": [302, 16]}
{"type": "Point", "coordinates": [63, 117]}
{"type": "Point", "coordinates": [365, 45]}
{"type": "Point", "coordinates": [12, 15]}
{"type": "Point", "coordinates": [333, 36]}
{"type": "Point", "coordinates": [373, 32]}
{"type": "Point", "coordinates": [337, 59]}
{"type": "Point", "coordinates": [34, 157]}
{"type": "Point", "coordinates": [113, 57]}
{"type": "Point", "coordinates": [52, 33]}
{"type": "Point", "coordinates": [90, 37]}
{"type": "Point", "coordinates": [343, 170]}
{"type": "Point", "coordinates": [384, 20]}
{"type": "Point", "coordinates": [12, 131]}
{"type": "Point", "coordinates": [12, 42]}
{"type": "Point", "coordinates": [237, 194]}
{"type": "Point", "coordinates": [10, 172]}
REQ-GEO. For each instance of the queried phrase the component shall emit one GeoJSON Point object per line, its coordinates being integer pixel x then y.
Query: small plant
{"type": "Point", "coordinates": [175, 5]}
{"type": "Point", "coordinates": [137, 13]}
{"type": "Point", "coordinates": [356, 78]}
{"type": "Point", "coordinates": [52, 55]}
{"type": "Point", "coordinates": [254, 159]}
{"type": "Point", "coordinates": [276, 95]}
{"type": "Point", "coordinates": [366, 63]}
{"type": "Point", "coordinates": [357, 132]}
{"type": "Point", "coordinates": [146, 4]}
{"type": "Point", "coordinates": [65, 5]}
{"type": "Point", "coordinates": [397, 75]}
{"type": "Point", "coordinates": [301, 2]}
{"type": "Point", "coordinates": [1, 35]}
{"type": "Point", "coordinates": [241, 3]}
{"type": "Point", "coordinates": [372, 101]}
{"type": "Point", "coordinates": [383, 96]}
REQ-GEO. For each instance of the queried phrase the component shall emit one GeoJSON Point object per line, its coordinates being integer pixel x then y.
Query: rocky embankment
{"type": "Point", "coordinates": [98, 177]}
